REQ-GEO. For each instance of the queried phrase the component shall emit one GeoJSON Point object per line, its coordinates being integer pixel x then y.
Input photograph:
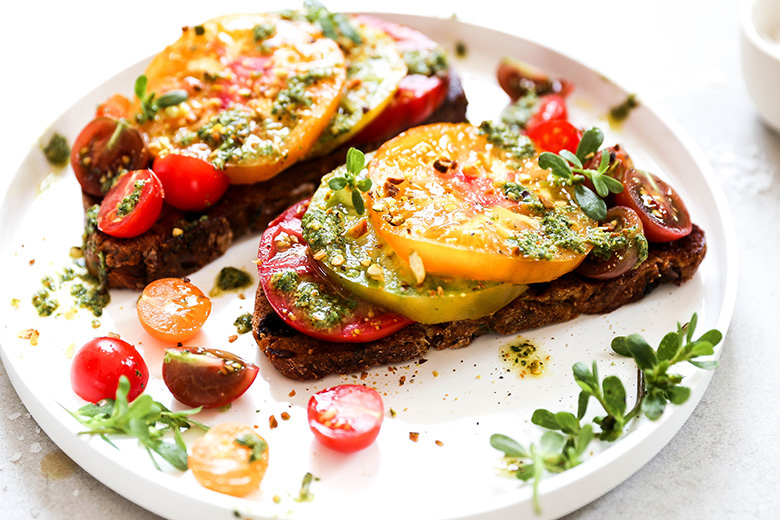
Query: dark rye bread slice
{"type": "Point", "coordinates": [301, 357]}
{"type": "Point", "coordinates": [163, 252]}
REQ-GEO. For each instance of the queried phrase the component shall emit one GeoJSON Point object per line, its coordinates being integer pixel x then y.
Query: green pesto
{"type": "Point", "coordinates": [556, 235]}
{"type": "Point", "coordinates": [255, 444]}
{"type": "Point", "coordinates": [129, 202]}
{"type": "Point", "coordinates": [428, 62]}
{"type": "Point", "coordinates": [200, 30]}
{"type": "Point", "coordinates": [460, 49]}
{"type": "Point", "coordinates": [263, 32]}
{"type": "Point", "coordinates": [67, 275]}
{"type": "Point", "coordinates": [324, 310]}
{"type": "Point", "coordinates": [520, 112]}
{"type": "Point", "coordinates": [231, 279]}
{"type": "Point", "coordinates": [91, 298]}
{"type": "Point", "coordinates": [605, 243]}
{"type": "Point", "coordinates": [243, 323]}
{"type": "Point", "coordinates": [57, 151]}
{"type": "Point", "coordinates": [48, 283]}
{"type": "Point", "coordinates": [90, 220]}
{"type": "Point", "coordinates": [227, 133]}
{"type": "Point", "coordinates": [296, 94]}
{"type": "Point", "coordinates": [518, 193]}
{"type": "Point", "coordinates": [509, 139]}
{"type": "Point", "coordinates": [285, 281]}
{"type": "Point", "coordinates": [620, 113]}
{"type": "Point", "coordinates": [186, 139]}
{"type": "Point", "coordinates": [44, 304]}
{"type": "Point", "coordinates": [322, 229]}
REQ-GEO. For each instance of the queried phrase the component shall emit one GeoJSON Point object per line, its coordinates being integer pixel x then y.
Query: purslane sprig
{"type": "Point", "coordinates": [568, 168]}
{"type": "Point", "coordinates": [145, 419]}
{"type": "Point", "coordinates": [149, 105]}
{"type": "Point", "coordinates": [562, 447]}
{"type": "Point", "coordinates": [354, 178]}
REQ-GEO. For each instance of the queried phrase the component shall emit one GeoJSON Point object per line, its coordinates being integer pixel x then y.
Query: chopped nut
{"type": "Point", "coordinates": [378, 207]}
{"type": "Point", "coordinates": [418, 269]}
{"type": "Point", "coordinates": [413, 436]}
{"type": "Point", "coordinates": [292, 393]}
{"type": "Point", "coordinates": [359, 229]}
{"type": "Point", "coordinates": [285, 416]}
{"type": "Point", "coordinates": [232, 338]}
{"type": "Point", "coordinates": [365, 262]}
{"type": "Point", "coordinates": [177, 232]}
{"type": "Point", "coordinates": [396, 220]}
{"type": "Point", "coordinates": [401, 381]}
{"type": "Point", "coordinates": [444, 164]}
{"type": "Point", "coordinates": [319, 255]}
{"type": "Point", "coordinates": [272, 422]}
{"type": "Point", "coordinates": [30, 334]}
{"type": "Point", "coordinates": [337, 260]}
{"type": "Point", "coordinates": [375, 272]}
{"type": "Point", "coordinates": [113, 335]}
{"type": "Point", "coordinates": [391, 190]}
{"type": "Point", "coordinates": [283, 241]}
{"type": "Point", "coordinates": [439, 443]}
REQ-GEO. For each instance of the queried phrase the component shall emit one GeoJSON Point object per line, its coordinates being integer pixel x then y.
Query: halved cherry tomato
{"type": "Point", "coordinates": [206, 377]}
{"type": "Point", "coordinates": [117, 106]}
{"type": "Point", "coordinates": [551, 107]}
{"type": "Point", "coordinates": [346, 418]}
{"type": "Point", "coordinates": [554, 136]}
{"type": "Point", "coordinates": [619, 220]}
{"type": "Point", "coordinates": [105, 148]}
{"type": "Point", "coordinates": [304, 298]}
{"type": "Point", "coordinates": [172, 309]}
{"type": "Point", "coordinates": [190, 183]}
{"type": "Point", "coordinates": [97, 366]}
{"type": "Point", "coordinates": [132, 205]}
{"type": "Point", "coordinates": [659, 206]}
{"type": "Point", "coordinates": [230, 458]}
{"type": "Point", "coordinates": [518, 78]}
{"type": "Point", "coordinates": [428, 199]}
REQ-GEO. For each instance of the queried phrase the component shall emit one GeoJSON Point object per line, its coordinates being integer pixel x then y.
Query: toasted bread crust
{"type": "Point", "coordinates": [300, 357]}
{"type": "Point", "coordinates": [162, 252]}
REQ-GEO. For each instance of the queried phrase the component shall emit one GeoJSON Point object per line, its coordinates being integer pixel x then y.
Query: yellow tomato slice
{"type": "Point", "coordinates": [261, 89]}
{"type": "Point", "coordinates": [375, 68]}
{"type": "Point", "coordinates": [461, 202]}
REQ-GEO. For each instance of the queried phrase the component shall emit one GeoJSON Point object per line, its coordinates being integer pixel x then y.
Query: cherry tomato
{"type": "Point", "coordinates": [132, 206]}
{"type": "Point", "coordinates": [290, 279]}
{"type": "Point", "coordinates": [518, 78]}
{"type": "Point", "coordinates": [346, 418]}
{"type": "Point", "coordinates": [554, 136]}
{"type": "Point", "coordinates": [230, 458]}
{"type": "Point", "coordinates": [206, 377]}
{"type": "Point", "coordinates": [190, 183]}
{"type": "Point", "coordinates": [172, 310]}
{"type": "Point", "coordinates": [105, 148]}
{"type": "Point", "coordinates": [97, 366]}
{"type": "Point", "coordinates": [117, 106]}
{"type": "Point", "coordinates": [551, 108]}
{"type": "Point", "coordinates": [621, 261]}
{"type": "Point", "coordinates": [662, 211]}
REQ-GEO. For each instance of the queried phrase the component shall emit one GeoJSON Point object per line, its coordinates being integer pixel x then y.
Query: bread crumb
{"type": "Point", "coordinates": [402, 381]}
{"type": "Point", "coordinates": [285, 416]}
{"type": "Point", "coordinates": [439, 443]}
{"type": "Point", "coordinates": [272, 422]}
{"type": "Point", "coordinates": [291, 394]}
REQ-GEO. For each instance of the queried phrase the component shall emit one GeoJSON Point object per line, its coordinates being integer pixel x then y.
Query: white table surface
{"type": "Point", "coordinates": [682, 55]}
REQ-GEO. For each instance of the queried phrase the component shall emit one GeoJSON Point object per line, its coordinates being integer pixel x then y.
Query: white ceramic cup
{"type": "Point", "coordinates": [761, 56]}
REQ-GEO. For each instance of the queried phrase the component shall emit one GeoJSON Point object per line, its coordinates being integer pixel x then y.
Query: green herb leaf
{"type": "Point", "coordinates": [653, 404]}
{"type": "Point", "coordinates": [356, 160]}
{"type": "Point", "coordinates": [620, 347]}
{"type": "Point", "coordinates": [337, 183]}
{"type": "Point", "coordinates": [172, 98]}
{"type": "Point", "coordinates": [567, 422]}
{"type": "Point", "coordinates": [701, 348]}
{"type": "Point", "coordinates": [678, 394]}
{"type": "Point", "coordinates": [357, 202]}
{"type": "Point", "coordinates": [140, 86]}
{"type": "Point", "coordinates": [614, 396]}
{"type": "Point", "coordinates": [691, 326]}
{"type": "Point", "coordinates": [669, 346]}
{"type": "Point", "coordinates": [508, 445]}
{"type": "Point", "coordinates": [705, 365]}
{"type": "Point", "coordinates": [613, 185]}
{"type": "Point", "coordinates": [712, 337]}
{"type": "Point", "coordinates": [582, 404]}
{"type": "Point", "coordinates": [545, 419]}
{"type": "Point", "coordinates": [599, 184]}
{"type": "Point", "coordinates": [305, 494]}
{"type": "Point", "coordinates": [604, 163]}
{"type": "Point", "coordinates": [589, 144]}
{"type": "Point", "coordinates": [552, 442]}
{"type": "Point", "coordinates": [364, 185]}
{"type": "Point", "coordinates": [590, 203]}
{"type": "Point", "coordinates": [573, 159]}
{"type": "Point", "coordinates": [643, 354]}
{"type": "Point", "coordinates": [556, 164]}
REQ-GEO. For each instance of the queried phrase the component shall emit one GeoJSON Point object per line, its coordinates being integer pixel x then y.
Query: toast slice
{"type": "Point", "coordinates": [180, 243]}
{"type": "Point", "coordinates": [301, 357]}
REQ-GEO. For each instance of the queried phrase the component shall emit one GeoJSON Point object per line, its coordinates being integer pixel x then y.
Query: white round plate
{"type": "Point", "coordinates": [457, 397]}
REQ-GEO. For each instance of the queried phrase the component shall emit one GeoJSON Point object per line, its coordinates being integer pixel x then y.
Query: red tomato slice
{"type": "Point", "coordinates": [346, 418]}
{"type": "Point", "coordinates": [554, 136]}
{"type": "Point", "coordinates": [551, 108]}
{"type": "Point", "coordinates": [417, 96]}
{"type": "Point", "coordinates": [132, 205]}
{"type": "Point", "coordinates": [97, 366]}
{"type": "Point", "coordinates": [190, 183]}
{"type": "Point", "coordinates": [662, 211]}
{"type": "Point", "coordinates": [304, 298]}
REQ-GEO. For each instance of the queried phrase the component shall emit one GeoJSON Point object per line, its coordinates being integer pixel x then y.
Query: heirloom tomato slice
{"type": "Point", "coordinates": [260, 91]}
{"type": "Point", "coordinates": [463, 202]}
{"type": "Point", "coordinates": [304, 298]}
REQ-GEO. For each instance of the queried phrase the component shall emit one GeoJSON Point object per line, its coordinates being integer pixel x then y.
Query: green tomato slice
{"type": "Point", "coordinates": [354, 256]}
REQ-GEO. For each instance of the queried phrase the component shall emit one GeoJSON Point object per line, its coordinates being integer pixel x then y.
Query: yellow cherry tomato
{"type": "Point", "coordinates": [172, 310]}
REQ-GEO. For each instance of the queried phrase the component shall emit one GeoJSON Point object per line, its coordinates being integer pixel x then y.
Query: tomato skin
{"type": "Point", "coordinates": [97, 366]}
{"type": "Point", "coordinates": [556, 135]}
{"type": "Point", "coordinates": [346, 418]}
{"type": "Point", "coordinates": [621, 261]}
{"type": "Point", "coordinates": [662, 211]}
{"type": "Point", "coordinates": [204, 377]}
{"type": "Point", "coordinates": [142, 216]}
{"type": "Point", "coordinates": [117, 107]}
{"type": "Point", "coordinates": [518, 78]}
{"type": "Point", "coordinates": [172, 309]}
{"type": "Point", "coordinates": [365, 323]}
{"type": "Point", "coordinates": [551, 107]}
{"type": "Point", "coordinates": [222, 464]}
{"type": "Point", "coordinates": [190, 183]}
{"type": "Point", "coordinates": [105, 148]}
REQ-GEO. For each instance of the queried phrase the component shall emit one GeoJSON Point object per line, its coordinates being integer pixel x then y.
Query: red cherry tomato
{"type": "Point", "coordinates": [205, 377]}
{"type": "Point", "coordinates": [346, 418]}
{"type": "Point", "coordinates": [662, 211]}
{"type": "Point", "coordinates": [554, 136]}
{"type": "Point", "coordinates": [286, 267]}
{"type": "Point", "coordinates": [97, 366]}
{"type": "Point", "coordinates": [105, 148]}
{"type": "Point", "coordinates": [190, 183]}
{"type": "Point", "coordinates": [551, 108]}
{"type": "Point", "coordinates": [117, 106]}
{"type": "Point", "coordinates": [622, 260]}
{"type": "Point", "coordinates": [132, 205]}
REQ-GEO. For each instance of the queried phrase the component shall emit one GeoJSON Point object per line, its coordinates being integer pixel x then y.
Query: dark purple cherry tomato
{"type": "Point", "coordinates": [622, 260]}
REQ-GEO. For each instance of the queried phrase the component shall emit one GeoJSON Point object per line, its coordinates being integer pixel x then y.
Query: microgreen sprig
{"type": "Point", "coordinates": [145, 419]}
{"type": "Point", "coordinates": [569, 170]}
{"type": "Point", "coordinates": [354, 178]}
{"type": "Point", "coordinates": [332, 25]}
{"type": "Point", "coordinates": [562, 447]}
{"type": "Point", "coordinates": [150, 106]}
